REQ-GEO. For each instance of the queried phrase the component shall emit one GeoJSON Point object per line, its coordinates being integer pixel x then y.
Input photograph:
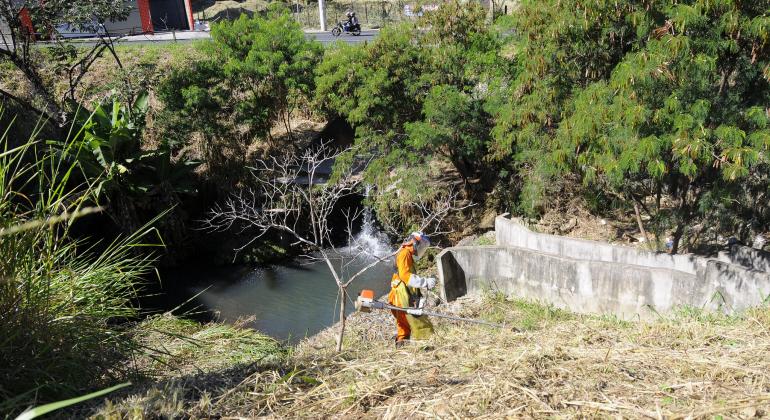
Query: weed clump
{"type": "Point", "coordinates": [178, 346]}
{"type": "Point", "coordinates": [59, 299]}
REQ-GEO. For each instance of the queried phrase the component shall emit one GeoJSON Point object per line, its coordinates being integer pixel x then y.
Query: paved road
{"type": "Point", "coordinates": [325, 38]}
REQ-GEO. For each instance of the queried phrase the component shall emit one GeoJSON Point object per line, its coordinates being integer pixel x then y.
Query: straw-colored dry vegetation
{"type": "Point", "coordinates": [142, 67]}
{"type": "Point", "coordinates": [549, 363]}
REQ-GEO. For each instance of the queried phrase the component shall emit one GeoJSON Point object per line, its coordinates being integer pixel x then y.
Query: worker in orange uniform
{"type": "Point", "coordinates": [405, 290]}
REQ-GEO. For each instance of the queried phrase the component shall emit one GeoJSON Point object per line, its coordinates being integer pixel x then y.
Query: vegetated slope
{"type": "Point", "coordinates": [557, 364]}
{"type": "Point", "coordinates": [184, 367]}
{"type": "Point", "coordinates": [226, 9]}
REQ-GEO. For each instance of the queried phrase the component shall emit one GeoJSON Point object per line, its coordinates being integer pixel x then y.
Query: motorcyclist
{"type": "Point", "coordinates": [352, 21]}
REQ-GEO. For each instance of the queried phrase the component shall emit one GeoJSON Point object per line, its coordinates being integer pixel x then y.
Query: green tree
{"type": "Point", "coordinates": [418, 95]}
{"type": "Point", "coordinates": [684, 116]}
{"type": "Point", "coordinates": [198, 102]}
{"type": "Point", "coordinates": [462, 49]}
{"type": "Point", "coordinates": [557, 48]}
{"type": "Point", "coordinates": [258, 72]}
{"type": "Point", "coordinates": [455, 126]}
{"type": "Point", "coordinates": [269, 59]}
{"type": "Point", "coordinates": [376, 87]}
{"type": "Point", "coordinates": [464, 64]}
{"type": "Point", "coordinates": [660, 105]}
{"type": "Point", "coordinates": [390, 90]}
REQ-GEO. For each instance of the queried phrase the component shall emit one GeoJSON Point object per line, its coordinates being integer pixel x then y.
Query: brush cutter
{"type": "Point", "coordinates": [366, 302]}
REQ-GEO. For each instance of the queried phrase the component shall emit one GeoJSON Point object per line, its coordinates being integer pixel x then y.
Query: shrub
{"type": "Point", "coordinates": [257, 72]}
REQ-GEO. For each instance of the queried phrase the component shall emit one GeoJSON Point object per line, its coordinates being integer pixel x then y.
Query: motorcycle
{"type": "Point", "coordinates": [341, 27]}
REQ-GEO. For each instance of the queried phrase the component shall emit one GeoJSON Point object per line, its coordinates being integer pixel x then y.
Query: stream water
{"type": "Point", "coordinates": [294, 300]}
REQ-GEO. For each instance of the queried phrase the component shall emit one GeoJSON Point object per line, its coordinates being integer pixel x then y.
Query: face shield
{"type": "Point", "coordinates": [421, 244]}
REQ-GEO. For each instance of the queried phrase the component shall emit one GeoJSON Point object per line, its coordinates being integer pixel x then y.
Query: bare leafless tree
{"type": "Point", "coordinates": [293, 196]}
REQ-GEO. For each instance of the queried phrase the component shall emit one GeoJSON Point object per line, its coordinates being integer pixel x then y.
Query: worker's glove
{"type": "Point", "coordinates": [421, 282]}
{"type": "Point", "coordinates": [414, 312]}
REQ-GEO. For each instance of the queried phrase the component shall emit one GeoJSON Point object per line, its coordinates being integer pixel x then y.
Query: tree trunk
{"type": "Point", "coordinates": [461, 165]}
{"type": "Point", "coordinates": [287, 123]}
{"type": "Point", "coordinates": [50, 107]}
{"type": "Point", "coordinates": [677, 237]}
{"type": "Point", "coordinates": [684, 215]}
{"type": "Point", "coordinates": [341, 334]}
{"type": "Point", "coordinates": [641, 225]}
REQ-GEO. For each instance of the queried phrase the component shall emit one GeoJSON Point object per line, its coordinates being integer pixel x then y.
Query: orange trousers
{"type": "Point", "coordinates": [403, 331]}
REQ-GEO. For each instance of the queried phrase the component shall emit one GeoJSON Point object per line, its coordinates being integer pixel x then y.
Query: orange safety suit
{"type": "Point", "coordinates": [407, 326]}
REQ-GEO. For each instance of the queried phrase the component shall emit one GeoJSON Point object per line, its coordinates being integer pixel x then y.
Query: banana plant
{"type": "Point", "coordinates": [131, 179]}
{"type": "Point", "coordinates": [111, 138]}
{"type": "Point", "coordinates": [110, 151]}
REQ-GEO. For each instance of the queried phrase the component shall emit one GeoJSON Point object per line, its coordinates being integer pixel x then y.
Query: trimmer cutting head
{"type": "Point", "coordinates": [364, 301]}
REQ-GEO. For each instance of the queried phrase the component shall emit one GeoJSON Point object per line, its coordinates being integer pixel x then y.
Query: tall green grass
{"type": "Point", "coordinates": [60, 300]}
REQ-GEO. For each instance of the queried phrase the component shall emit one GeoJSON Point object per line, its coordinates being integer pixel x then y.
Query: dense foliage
{"type": "Point", "coordinates": [257, 72]}
{"type": "Point", "coordinates": [660, 104]}
{"type": "Point", "coordinates": [412, 94]}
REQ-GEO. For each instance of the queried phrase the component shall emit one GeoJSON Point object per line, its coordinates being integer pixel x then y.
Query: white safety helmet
{"type": "Point", "coordinates": [421, 244]}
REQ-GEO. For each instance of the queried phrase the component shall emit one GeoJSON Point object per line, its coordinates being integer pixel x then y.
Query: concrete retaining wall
{"type": "Point", "coordinates": [512, 233]}
{"type": "Point", "coordinates": [747, 257]}
{"type": "Point", "coordinates": [587, 276]}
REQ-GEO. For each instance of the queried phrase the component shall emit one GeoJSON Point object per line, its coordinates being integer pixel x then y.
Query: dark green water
{"type": "Point", "coordinates": [283, 301]}
{"type": "Point", "coordinates": [288, 301]}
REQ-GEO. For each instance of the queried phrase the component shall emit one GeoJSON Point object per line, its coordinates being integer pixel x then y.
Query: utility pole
{"type": "Point", "coordinates": [322, 14]}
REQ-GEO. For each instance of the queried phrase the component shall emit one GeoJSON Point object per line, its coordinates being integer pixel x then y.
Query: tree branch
{"type": "Point", "coordinates": [289, 196]}
{"type": "Point", "coordinates": [26, 104]}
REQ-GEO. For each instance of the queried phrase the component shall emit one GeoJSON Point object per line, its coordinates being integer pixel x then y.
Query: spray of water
{"type": "Point", "coordinates": [370, 240]}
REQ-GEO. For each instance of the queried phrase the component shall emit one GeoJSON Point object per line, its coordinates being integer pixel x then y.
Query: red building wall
{"type": "Point", "coordinates": [26, 22]}
{"type": "Point", "coordinates": [192, 19]}
{"type": "Point", "coordinates": [144, 13]}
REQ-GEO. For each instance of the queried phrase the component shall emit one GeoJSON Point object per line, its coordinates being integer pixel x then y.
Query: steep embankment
{"type": "Point", "coordinates": [558, 364]}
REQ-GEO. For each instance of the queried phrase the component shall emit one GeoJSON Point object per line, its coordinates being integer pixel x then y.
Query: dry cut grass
{"type": "Point", "coordinates": [558, 364]}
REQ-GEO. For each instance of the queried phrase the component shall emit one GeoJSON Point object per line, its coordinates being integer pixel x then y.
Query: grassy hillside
{"type": "Point", "coordinates": [142, 67]}
{"type": "Point", "coordinates": [548, 362]}
{"type": "Point", "coordinates": [222, 9]}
